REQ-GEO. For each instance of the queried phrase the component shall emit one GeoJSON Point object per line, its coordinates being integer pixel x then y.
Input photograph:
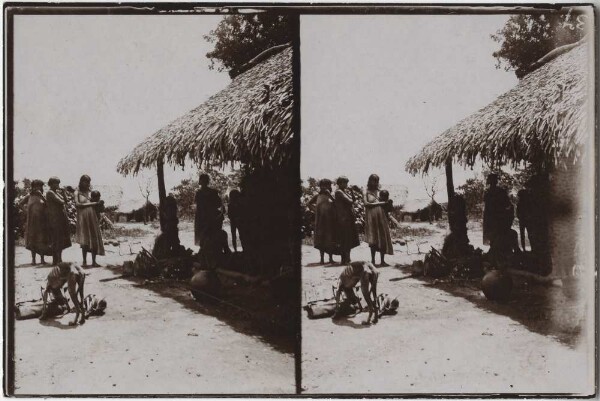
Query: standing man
{"type": "Point", "coordinates": [496, 208]}
{"type": "Point", "coordinates": [208, 222]}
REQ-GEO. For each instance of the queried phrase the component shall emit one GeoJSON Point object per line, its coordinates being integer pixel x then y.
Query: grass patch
{"type": "Point", "coordinates": [408, 231]}
{"type": "Point", "coordinates": [122, 231]}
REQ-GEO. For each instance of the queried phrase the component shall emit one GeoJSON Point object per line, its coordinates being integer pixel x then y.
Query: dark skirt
{"type": "Point", "coordinates": [377, 230]}
{"type": "Point", "coordinates": [37, 236]}
{"type": "Point", "coordinates": [60, 236]}
{"type": "Point", "coordinates": [347, 233]}
{"type": "Point", "coordinates": [325, 226]}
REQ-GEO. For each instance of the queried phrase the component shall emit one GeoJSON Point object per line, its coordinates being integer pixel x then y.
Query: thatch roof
{"type": "Point", "coordinates": [250, 121]}
{"type": "Point", "coordinates": [544, 119]}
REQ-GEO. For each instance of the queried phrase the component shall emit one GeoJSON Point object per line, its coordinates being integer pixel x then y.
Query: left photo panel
{"type": "Point", "coordinates": [153, 186]}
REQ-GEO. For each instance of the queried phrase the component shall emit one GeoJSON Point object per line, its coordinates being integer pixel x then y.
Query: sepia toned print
{"type": "Point", "coordinates": [463, 147]}
{"type": "Point", "coordinates": [300, 200]}
{"type": "Point", "coordinates": [134, 201]}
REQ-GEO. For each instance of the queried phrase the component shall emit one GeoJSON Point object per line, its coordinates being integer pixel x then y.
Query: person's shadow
{"type": "Point", "coordinates": [315, 264]}
{"type": "Point", "coordinates": [53, 322]}
{"type": "Point", "coordinates": [345, 321]}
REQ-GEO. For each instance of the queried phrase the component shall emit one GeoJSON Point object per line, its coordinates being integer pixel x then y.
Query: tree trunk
{"type": "Point", "coordinates": [162, 193]}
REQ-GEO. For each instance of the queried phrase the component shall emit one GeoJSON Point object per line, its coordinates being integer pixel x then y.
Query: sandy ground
{"type": "Point", "coordinates": [441, 341]}
{"type": "Point", "coordinates": [146, 343]}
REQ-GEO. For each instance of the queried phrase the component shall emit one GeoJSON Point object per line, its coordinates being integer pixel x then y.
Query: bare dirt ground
{"type": "Point", "coordinates": [153, 339]}
{"type": "Point", "coordinates": [447, 337]}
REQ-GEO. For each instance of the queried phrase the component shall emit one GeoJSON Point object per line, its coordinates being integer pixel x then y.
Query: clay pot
{"type": "Point", "coordinates": [497, 286]}
{"type": "Point", "coordinates": [205, 285]}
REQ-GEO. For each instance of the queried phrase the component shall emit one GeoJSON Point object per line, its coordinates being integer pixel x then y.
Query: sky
{"type": "Point", "coordinates": [376, 88]}
{"type": "Point", "coordinates": [88, 89]}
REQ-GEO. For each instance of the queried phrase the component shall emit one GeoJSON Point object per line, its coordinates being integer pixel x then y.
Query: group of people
{"type": "Point", "coordinates": [47, 231]}
{"type": "Point", "coordinates": [209, 218]}
{"type": "Point", "coordinates": [499, 214]}
{"type": "Point", "coordinates": [335, 220]}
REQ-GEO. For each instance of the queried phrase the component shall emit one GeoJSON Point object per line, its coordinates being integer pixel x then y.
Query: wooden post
{"type": "Point", "coordinates": [450, 189]}
{"type": "Point", "coordinates": [449, 179]}
{"type": "Point", "coordinates": [162, 193]}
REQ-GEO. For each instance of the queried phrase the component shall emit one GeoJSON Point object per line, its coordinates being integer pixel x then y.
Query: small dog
{"type": "Point", "coordinates": [387, 305]}
{"type": "Point", "coordinates": [367, 275]}
{"type": "Point", "coordinates": [72, 275]}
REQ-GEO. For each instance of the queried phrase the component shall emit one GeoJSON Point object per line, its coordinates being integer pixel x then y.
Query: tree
{"type": "Point", "coordinates": [525, 38]}
{"type": "Point", "coordinates": [431, 185]}
{"type": "Point", "coordinates": [146, 188]}
{"type": "Point", "coordinates": [239, 38]}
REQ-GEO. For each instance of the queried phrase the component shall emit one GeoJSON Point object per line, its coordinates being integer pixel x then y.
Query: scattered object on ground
{"type": "Point", "coordinates": [469, 266]}
{"type": "Point", "coordinates": [94, 306]}
{"type": "Point", "coordinates": [435, 264]}
{"type": "Point", "coordinates": [320, 309]}
{"type": "Point", "coordinates": [205, 284]}
{"type": "Point", "coordinates": [347, 308]}
{"type": "Point", "coordinates": [418, 267]}
{"type": "Point", "coordinates": [145, 265]}
{"type": "Point", "coordinates": [128, 269]}
{"type": "Point", "coordinates": [33, 309]}
{"type": "Point", "coordinates": [497, 285]}
{"type": "Point", "coordinates": [388, 305]}
{"type": "Point", "coordinates": [177, 267]}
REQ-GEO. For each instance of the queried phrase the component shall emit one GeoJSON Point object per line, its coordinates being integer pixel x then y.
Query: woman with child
{"type": "Point", "coordinates": [88, 233]}
{"type": "Point", "coordinates": [377, 230]}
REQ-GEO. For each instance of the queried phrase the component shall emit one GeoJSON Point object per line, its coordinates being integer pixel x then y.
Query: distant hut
{"type": "Point", "coordinates": [133, 210]}
{"type": "Point", "coordinates": [112, 196]}
{"type": "Point", "coordinates": [421, 210]}
{"type": "Point", "coordinates": [545, 121]}
{"type": "Point", "coordinates": [249, 122]}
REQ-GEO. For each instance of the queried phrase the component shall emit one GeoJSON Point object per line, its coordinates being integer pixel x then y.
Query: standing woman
{"type": "Point", "coordinates": [347, 233]}
{"type": "Point", "coordinates": [60, 237]}
{"type": "Point", "coordinates": [88, 233]}
{"type": "Point", "coordinates": [377, 229]}
{"type": "Point", "coordinates": [325, 227]}
{"type": "Point", "coordinates": [36, 231]}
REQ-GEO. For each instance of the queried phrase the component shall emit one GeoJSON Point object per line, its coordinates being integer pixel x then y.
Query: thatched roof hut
{"type": "Point", "coordinates": [111, 194]}
{"type": "Point", "coordinates": [250, 121]}
{"type": "Point", "coordinates": [544, 119]}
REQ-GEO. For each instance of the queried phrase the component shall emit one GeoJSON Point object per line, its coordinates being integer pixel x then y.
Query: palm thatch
{"type": "Point", "coordinates": [544, 120]}
{"type": "Point", "coordinates": [250, 121]}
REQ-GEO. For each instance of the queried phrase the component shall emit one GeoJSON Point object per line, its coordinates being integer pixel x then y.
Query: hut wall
{"type": "Point", "coordinates": [270, 232]}
{"type": "Point", "coordinates": [565, 218]}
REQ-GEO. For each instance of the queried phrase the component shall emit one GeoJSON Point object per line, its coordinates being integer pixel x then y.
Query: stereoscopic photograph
{"type": "Point", "coordinates": [448, 190]}
{"type": "Point", "coordinates": [154, 203]}
{"type": "Point", "coordinates": [316, 200]}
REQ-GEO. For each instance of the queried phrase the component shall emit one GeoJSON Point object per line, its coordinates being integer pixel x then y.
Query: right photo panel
{"type": "Point", "coordinates": [447, 165]}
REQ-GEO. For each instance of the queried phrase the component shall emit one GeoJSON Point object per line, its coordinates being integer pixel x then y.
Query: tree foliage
{"type": "Point", "coordinates": [525, 38]}
{"type": "Point", "coordinates": [185, 192]}
{"type": "Point", "coordinates": [239, 38]}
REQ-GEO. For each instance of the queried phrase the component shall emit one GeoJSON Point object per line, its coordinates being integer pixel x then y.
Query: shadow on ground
{"type": "Point", "coordinates": [544, 309]}
{"type": "Point", "coordinates": [247, 309]}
